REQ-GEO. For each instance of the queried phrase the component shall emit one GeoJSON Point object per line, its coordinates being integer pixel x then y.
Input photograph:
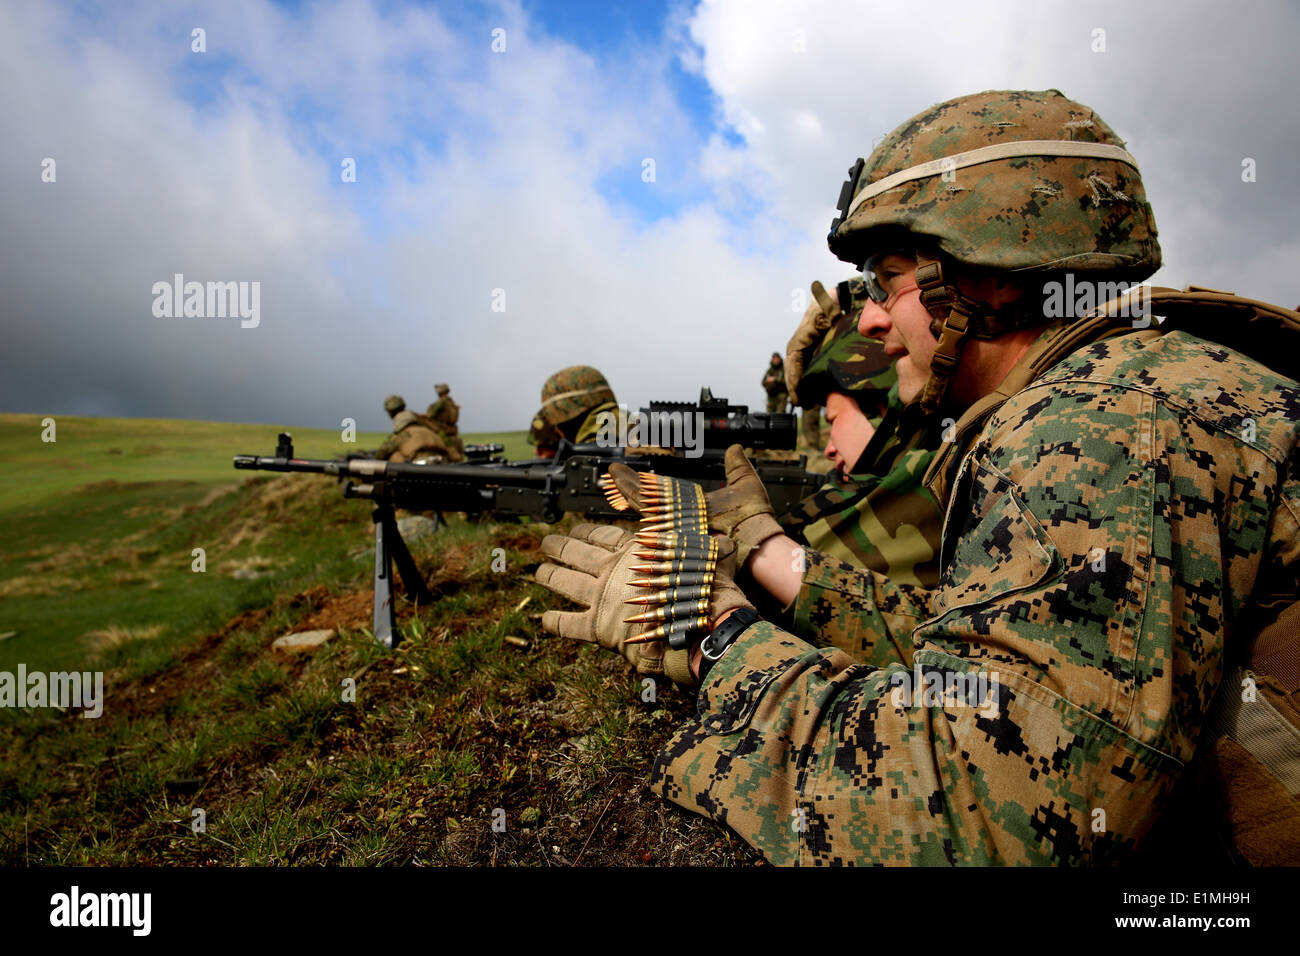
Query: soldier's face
{"type": "Point", "coordinates": [902, 324]}
{"type": "Point", "coordinates": [851, 430]}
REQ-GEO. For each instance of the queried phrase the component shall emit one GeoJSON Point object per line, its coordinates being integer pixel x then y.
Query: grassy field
{"type": "Point", "coordinates": [454, 732]}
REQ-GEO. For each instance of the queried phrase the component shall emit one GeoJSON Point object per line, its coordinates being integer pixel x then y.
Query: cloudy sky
{"type": "Point", "coordinates": [541, 184]}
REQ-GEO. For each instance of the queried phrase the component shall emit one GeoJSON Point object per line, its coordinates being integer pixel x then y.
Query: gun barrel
{"type": "Point", "coordinates": [272, 463]}
{"type": "Point", "coordinates": [530, 474]}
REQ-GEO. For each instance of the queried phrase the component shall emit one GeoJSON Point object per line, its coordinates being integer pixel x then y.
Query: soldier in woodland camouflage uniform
{"type": "Point", "coordinates": [573, 400]}
{"type": "Point", "coordinates": [1122, 515]}
{"type": "Point", "coordinates": [444, 414]}
{"type": "Point", "coordinates": [878, 514]}
{"type": "Point", "coordinates": [774, 385]}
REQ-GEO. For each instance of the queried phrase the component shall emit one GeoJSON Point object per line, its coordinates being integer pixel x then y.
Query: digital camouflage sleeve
{"type": "Point", "coordinates": [1106, 529]}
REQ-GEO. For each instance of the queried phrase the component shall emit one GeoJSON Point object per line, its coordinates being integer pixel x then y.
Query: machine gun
{"type": "Point", "coordinates": [546, 489]}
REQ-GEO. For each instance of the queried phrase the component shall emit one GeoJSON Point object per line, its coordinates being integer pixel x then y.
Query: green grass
{"type": "Point", "coordinates": [129, 450]}
{"type": "Point", "coordinates": [101, 527]}
{"type": "Point", "coordinates": [95, 573]}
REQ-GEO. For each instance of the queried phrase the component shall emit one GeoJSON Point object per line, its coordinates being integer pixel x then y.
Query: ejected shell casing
{"type": "Point", "coordinates": [668, 567]}
{"type": "Point", "coordinates": [672, 595]}
{"type": "Point", "coordinates": [671, 612]}
{"type": "Point", "coordinates": [681, 580]}
{"type": "Point", "coordinates": [667, 631]}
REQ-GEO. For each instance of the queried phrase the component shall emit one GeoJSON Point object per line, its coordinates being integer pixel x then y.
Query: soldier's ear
{"type": "Point", "coordinates": [993, 289]}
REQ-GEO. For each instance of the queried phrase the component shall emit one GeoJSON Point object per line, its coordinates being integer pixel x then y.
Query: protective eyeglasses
{"type": "Point", "coordinates": [876, 287]}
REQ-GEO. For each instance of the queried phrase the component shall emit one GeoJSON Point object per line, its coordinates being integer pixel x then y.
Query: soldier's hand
{"type": "Point", "coordinates": [593, 569]}
{"type": "Point", "coordinates": [817, 318]}
{"type": "Point", "coordinates": [628, 483]}
{"type": "Point", "coordinates": [741, 509]}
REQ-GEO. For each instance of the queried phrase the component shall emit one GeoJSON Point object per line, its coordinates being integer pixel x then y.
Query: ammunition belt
{"type": "Point", "coordinates": [674, 540]}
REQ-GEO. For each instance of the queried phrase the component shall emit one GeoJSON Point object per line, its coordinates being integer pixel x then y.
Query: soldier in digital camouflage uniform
{"type": "Point", "coordinates": [877, 514]}
{"type": "Point", "coordinates": [1123, 513]}
{"type": "Point", "coordinates": [444, 414]}
{"type": "Point", "coordinates": [774, 385]}
{"type": "Point", "coordinates": [573, 401]}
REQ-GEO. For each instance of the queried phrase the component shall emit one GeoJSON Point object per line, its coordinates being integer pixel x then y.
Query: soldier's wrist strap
{"type": "Point", "coordinates": [723, 636]}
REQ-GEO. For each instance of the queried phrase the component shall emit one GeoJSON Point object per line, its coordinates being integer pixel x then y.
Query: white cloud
{"type": "Point", "coordinates": [1194, 85]}
{"type": "Point", "coordinates": [479, 171]}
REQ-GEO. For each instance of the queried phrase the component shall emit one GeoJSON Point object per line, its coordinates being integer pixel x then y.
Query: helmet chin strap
{"type": "Point", "coordinates": [964, 317]}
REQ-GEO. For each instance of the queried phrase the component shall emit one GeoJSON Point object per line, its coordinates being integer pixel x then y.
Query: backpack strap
{"type": "Point", "coordinates": [1267, 333]}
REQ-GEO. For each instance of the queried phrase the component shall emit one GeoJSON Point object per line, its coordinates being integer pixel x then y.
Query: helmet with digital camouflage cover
{"type": "Point", "coordinates": [394, 404]}
{"type": "Point", "coordinates": [1027, 184]}
{"type": "Point", "coordinates": [572, 392]}
{"type": "Point", "coordinates": [1006, 180]}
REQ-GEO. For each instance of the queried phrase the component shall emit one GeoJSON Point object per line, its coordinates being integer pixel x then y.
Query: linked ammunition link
{"type": "Point", "coordinates": [674, 539]}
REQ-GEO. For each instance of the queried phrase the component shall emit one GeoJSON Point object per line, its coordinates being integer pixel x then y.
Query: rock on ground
{"type": "Point", "coordinates": [302, 642]}
{"type": "Point", "coordinates": [416, 526]}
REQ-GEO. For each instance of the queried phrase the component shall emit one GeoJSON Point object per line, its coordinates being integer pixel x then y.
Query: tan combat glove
{"type": "Point", "coordinates": [817, 318]}
{"type": "Point", "coordinates": [593, 569]}
{"type": "Point", "coordinates": [726, 596]}
{"type": "Point", "coordinates": [741, 509]}
{"type": "Point", "coordinates": [599, 560]}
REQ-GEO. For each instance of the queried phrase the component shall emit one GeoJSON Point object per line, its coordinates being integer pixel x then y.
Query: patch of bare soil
{"type": "Point", "coordinates": [349, 609]}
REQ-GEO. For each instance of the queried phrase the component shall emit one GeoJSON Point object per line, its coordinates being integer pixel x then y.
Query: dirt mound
{"type": "Point", "coordinates": [521, 541]}
{"type": "Point", "coordinates": [112, 486]}
{"type": "Point", "coordinates": [349, 609]}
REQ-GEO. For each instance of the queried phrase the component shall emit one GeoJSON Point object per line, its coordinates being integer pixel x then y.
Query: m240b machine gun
{"type": "Point", "coordinates": [544, 489]}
